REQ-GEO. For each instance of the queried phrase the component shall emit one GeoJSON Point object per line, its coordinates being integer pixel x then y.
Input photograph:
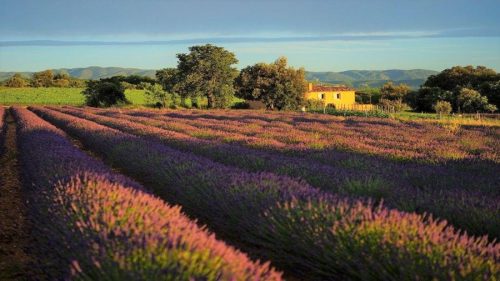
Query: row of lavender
{"type": "Point", "coordinates": [93, 224]}
{"type": "Point", "coordinates": [323, 141]}
{"type": "Point", "coordinates": [388, 138]}
{"type": "Point", "coordinates": [299, 228]}
{"type": "Point", "coordinates": [471, 210]}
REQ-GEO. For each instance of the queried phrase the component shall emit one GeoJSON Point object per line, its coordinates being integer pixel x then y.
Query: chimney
{"type": "Point", "coordinates": [310, 87]}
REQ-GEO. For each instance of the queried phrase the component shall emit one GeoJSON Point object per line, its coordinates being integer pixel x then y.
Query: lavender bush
{"type": "Point", "coordinates": [93, 224]}
{"type": "Point", "coordinates": [468, 209]}
{"type": "Point", "coordinates": [299, 228]}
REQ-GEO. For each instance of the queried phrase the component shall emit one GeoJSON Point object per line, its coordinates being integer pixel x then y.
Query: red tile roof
{"type": "Point", "coordinates": [321, 88]}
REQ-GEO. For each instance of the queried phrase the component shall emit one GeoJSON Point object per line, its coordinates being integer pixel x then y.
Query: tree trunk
{"type": "Point", "coordinates": [211, 100]}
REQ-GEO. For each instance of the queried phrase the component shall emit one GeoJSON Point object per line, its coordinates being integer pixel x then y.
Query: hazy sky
{"type": "Point", "coordinates": [320, 35]}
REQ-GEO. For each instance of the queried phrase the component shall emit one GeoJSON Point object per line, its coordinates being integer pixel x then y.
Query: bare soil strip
{"type": "Point", "coordinates": [14, 230]}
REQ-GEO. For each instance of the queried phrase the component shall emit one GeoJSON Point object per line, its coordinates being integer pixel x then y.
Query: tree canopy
{"type": "Point", "coordinates": [205, 71]}
{"type": "Point", "coordinates": [276, 85]}
{"type": "Point", "coordinates": [104, 92]}
{"type": "Point", "coordinates": [43, 78]}
{"type": "Point", "coordinates": [392, 92]}
{"type": "Point", "coordinates": [467, 89]}
{"type": "Point", "coordinates": [168, 78]}
{"type": "Point", "coordinates": [16, 81]}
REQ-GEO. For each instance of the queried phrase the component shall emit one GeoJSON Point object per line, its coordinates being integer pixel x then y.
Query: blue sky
{"type": "Point", "coordinates": [320, 35]}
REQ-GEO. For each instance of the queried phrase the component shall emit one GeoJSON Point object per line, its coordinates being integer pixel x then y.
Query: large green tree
{"type": "Point", "coordinates": [462, 76]}
{"type": "Point", "coordinates": [206, 71]}
{"type": "Point", "coordinates": [448, 85]}
{"type": "Point", "coordinates": [277, 85]}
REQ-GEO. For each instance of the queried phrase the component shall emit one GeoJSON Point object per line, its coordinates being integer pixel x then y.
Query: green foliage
{"type": "Point", "coordinates": [425, 98]}
{"type": "Point", "coordinates": [491, 90]}
{"type": "Point", "coordinates": [276, 84]}
{"type": "Point", "coordinates": [168, 78]}
{"type": "Point", "coordinates": [314, 105]}
{"type": "Point", "coordinates": [392, 92]}
{"type": "Point", "coordinates": [393, 105]}
{"type": "Point", "coordinates": [442, 107]}
{"type": "Point", "coordinates": [104, 93]}
{"type": "Point", "coordinates": [470, 101]}
{"type": "Point", "coordinates": [206, 71]}
{"type": "Point", "coordinates": [156, 95]}
{"type": "Point", "coordinates": [42, 79]}
{"type": "Point", "coordinates": [224, 97]}
{"type": "Point", "coordinates": [448, 86]}
{"type": "Point", "coordinates": [16, 81]}
{"type": "Point", "coordinates": [458, 76]}
{"type": "Point", "coordinates": [368, 95]}
{"type": "Point", "coordinates": [336, 112]}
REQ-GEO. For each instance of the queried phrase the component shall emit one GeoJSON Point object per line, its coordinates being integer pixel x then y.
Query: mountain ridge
{"type": "Point", "coordinates": [353, 78]}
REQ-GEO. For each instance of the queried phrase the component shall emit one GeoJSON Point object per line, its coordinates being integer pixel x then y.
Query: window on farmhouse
{"type": "Point", "coordinates": [322, 96]}
{"type": "Point", "coordinates": [338, 95]}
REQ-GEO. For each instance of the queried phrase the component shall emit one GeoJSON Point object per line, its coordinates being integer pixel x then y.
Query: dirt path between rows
{"type": "Point", "coordinates": [14, 230]}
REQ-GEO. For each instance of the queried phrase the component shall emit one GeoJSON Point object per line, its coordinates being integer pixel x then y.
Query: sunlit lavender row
{"type": "Point", "coordinates": [93, 224]}
{"type": "Point", "coordinates": [472, 209]}
{"type": "Point", "coordinates": [302, 230]}
{"type": "Point", "coordinates": [385, 137]}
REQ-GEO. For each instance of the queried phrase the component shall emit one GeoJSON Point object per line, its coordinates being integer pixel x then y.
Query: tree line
{"type": "Point", "coordinates": [208, 72]}
{"type": "Point", "coordinates": [458, 89]}
{"type": "Point", "coordinates": [45, 78]}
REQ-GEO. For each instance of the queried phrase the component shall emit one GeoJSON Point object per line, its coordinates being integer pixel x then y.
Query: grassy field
{"type": "Point", "coordinates": [448, 120]}
{"type": "Point", "coordinates": [71, 96]}
{"type": "Point", "coordinates": [57, 96]}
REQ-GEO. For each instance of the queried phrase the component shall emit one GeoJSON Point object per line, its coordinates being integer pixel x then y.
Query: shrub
{"type": "Point", "coordinates": [105, 92]}
{"type": "Point", "coordinates": [471, 101]}
{"type": "Point", "coordinates": [336, 112]}
{"type": "Point", "coordinates": [393, 105]}
{"type": "Point", "coordinates": [16, 81]}
{"type": "Point", "coordinates": [442, 107]}
{"type": "Point", "coordinates": [156, 95]}
{"type": "Point", "coordinates": [314, 105]}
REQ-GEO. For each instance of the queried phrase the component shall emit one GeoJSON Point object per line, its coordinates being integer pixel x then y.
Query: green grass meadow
{"type": "Point", "coordinates": [73, 96]}
{"type": "Point", "coordinates": [57, 96]}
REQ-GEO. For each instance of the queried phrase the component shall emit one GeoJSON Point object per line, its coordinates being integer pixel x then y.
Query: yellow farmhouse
{"type": "Point", "coordinates": [335, 96]}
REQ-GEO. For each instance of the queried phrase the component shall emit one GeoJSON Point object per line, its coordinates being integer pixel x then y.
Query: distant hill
{"type": "Point", "coordinates": [92, 72]}
{"type": "Point", "coordinates": [354, 78]}
{"type": "Point", "coordinates": [372, 78]}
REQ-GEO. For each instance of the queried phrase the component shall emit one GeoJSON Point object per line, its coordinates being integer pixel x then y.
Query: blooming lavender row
{"type": "Point", "coordinates": [93, 224]}
{"type": "Point", "coordinates": [470, 210]}
{"type": "Point", "coordinates": [388, 138]}
{"type": "Point", "coordinates": [300, 229]}
{"type": "Point", "coordinates": [317, 141]}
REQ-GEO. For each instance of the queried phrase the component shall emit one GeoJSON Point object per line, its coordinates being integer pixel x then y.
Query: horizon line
{"type": "Point", "coordinates": [256, 39]}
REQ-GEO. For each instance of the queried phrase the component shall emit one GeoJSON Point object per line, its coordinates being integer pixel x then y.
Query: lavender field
{"type": "Point", "coordinates": [127, 194]}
